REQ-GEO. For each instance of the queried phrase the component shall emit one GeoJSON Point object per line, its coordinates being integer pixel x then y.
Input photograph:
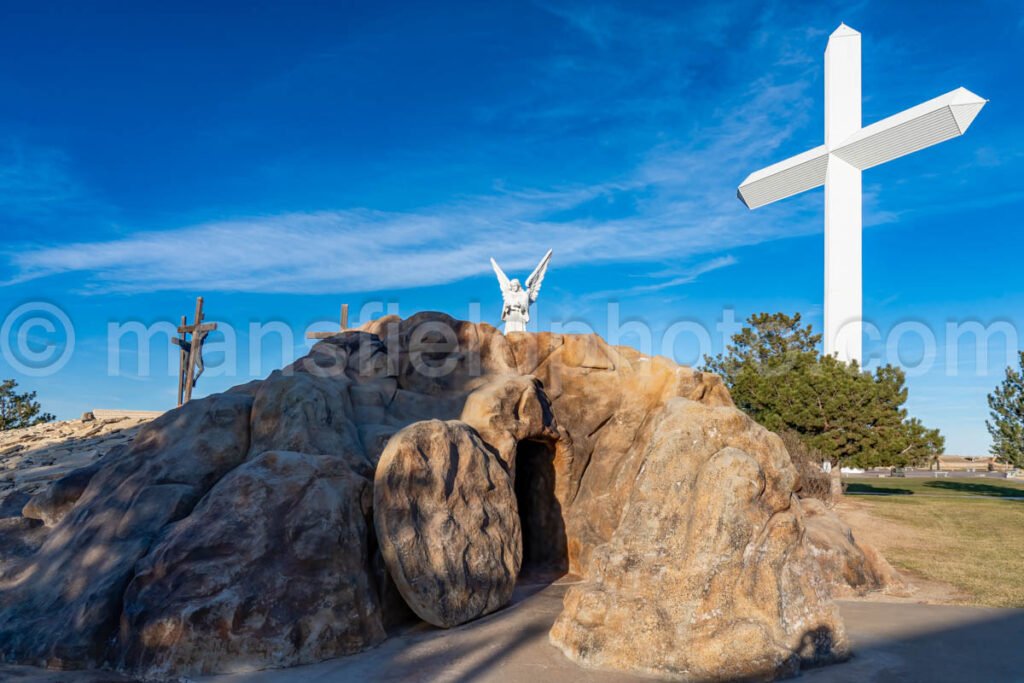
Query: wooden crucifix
{"type": "Point", "coordinates": [327, 335]}
{"type": "Point", "coordinates": [190, 355]}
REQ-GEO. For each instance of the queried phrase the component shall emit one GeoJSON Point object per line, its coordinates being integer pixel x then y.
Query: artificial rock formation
{"type": "Point", "coordinates": [44, 470]}
{"type": "Point", "coordinates": [33, 457]}
{"type": "Point", "coordinates": [706, 577]}
{"type": "Point", "coordinates": [852, 567]}
{"type": "Point", "coordinates": [290, 530]}
{"type": "Point", "coordinates": [64, 604]}
{"type": "Point", "coordinates": [424, 463]}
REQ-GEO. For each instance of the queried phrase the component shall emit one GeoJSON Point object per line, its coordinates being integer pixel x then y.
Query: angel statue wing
{"type": "Point", "coordinates": [502, 281]}
{"type": "Point", "coordinates": [537, 276]}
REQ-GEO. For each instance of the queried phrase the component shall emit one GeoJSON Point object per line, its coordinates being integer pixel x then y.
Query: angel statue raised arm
{"type": "Point", "coordinates": [516, 309]}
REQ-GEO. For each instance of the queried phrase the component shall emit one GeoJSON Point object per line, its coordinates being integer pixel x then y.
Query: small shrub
{"type": "Point", "coordinates": [814, 482]}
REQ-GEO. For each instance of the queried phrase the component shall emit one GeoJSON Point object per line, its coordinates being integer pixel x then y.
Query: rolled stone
{"type": "Point", "coordinates": [447, 522]}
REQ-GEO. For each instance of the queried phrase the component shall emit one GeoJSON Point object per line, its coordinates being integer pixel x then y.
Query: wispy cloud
{"type": "Point", "coordinates": [680, 277]}
{"type": "Point", "coordinates": [680, 200]}
{"type": "Point", "coordinates": [683, 200]}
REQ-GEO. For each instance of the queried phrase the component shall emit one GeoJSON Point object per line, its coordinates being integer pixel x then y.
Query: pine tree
{"type": "Point", "coordinates": [778, 377]}
{"type": "Point", "coordinates": [19, 410]}
{"type": "Point", "coordinates": [1007, 416]}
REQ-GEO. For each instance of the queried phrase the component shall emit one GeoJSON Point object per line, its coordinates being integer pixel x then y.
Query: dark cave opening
{"type": "Point", "coordinates": [545, 547]}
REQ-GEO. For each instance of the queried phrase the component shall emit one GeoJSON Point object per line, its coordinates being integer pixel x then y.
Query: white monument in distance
{"type": "Point", "coordinates": [848, 150]}
{"type": "Point", "coordinates": [515, 310]}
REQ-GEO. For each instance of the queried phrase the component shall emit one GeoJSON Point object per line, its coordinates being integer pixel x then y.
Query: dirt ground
{"type": "Point", "coordinates": [884, 534]}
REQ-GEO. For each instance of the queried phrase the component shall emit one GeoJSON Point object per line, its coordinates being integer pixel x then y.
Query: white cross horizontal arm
{"type": "Point", "coordinates": [927, 124]}
{"type": "Point", "coordinates": [947, 116]}
{"type": "Point", "coordinates": [794, 175]}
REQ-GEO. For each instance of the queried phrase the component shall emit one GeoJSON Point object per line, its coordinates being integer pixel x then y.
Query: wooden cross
{"type": "Point", "coordinates": [328, 335]}
{"type": "Point", "coordinates": [191, 351]}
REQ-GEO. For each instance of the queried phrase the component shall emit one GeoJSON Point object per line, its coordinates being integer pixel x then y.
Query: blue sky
{"type": "Point", "coordinates": [280, 159]}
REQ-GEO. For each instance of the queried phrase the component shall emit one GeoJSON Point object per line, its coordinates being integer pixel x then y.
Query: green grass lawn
{"type": "Point", "coordinates": [903, 486]}
{"type": "Point", "coordinates": [962, 532]}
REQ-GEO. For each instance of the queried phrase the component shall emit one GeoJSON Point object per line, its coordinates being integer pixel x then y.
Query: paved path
{"type": "Point", "coordinates": [893, 642]}
{"type": "Point", "coordinates": [913, 643]}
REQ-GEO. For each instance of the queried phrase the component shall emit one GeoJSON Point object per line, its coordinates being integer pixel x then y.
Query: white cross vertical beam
{"type": "Point", "coordinates": [837, 164]}
{"type": "Point", "coordinates": [843, 269]}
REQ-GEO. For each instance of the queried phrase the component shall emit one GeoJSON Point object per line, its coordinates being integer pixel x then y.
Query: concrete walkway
{"type": "Point", "coordinates": [892, 641]}
{"type": "Point", "coordinates": [914, 643]}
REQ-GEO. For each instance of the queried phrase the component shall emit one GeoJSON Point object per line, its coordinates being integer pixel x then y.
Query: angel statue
{"type": "Point", "coordinates": [516, 309]}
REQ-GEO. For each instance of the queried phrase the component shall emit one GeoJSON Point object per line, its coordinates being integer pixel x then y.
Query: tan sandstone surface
{"type": "Point", "coordinates": [34, 458]}
{"type": "Point", "coordinates": [30, 458]}
{"type": "Point", "coordinates": [856, 567]}
{"type": "Point", "coordinates": [416, 467]}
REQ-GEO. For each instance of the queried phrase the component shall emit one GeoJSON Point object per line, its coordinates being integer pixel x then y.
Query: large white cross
{"type": "Point", "coordinates": [848, 150]}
